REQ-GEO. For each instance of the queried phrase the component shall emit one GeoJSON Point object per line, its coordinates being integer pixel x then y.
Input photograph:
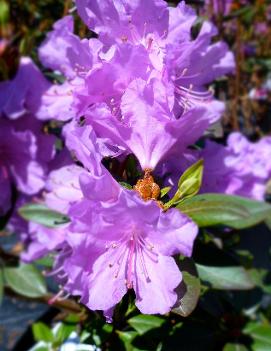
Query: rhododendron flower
{"type": "Point", "coordinates": [135, 240]}
{"type": "Point", "coordinates": [240, 168]}
{"type": "Point", "coordinates": [138, 42]}
{"type": "Point", "coordinates": [114, 239]}
{"type": "Point", "coordinates": [65, 53]}
{"type": "Point", "coordinates": [127, 242]}
{"type": "Point", "coordinates": [148, 128]}
{"type": "Point", "coordinates": [22, 95]}
{"type": "Point", "coordinates": [25, 151]}
{"type": "Point", "coordinates": [164, 51]}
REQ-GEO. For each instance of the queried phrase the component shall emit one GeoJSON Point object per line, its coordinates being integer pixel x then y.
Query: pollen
{"type": "Point", "coordinates": [147, 188]}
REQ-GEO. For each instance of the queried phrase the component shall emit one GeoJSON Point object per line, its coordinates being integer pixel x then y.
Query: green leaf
{"type": "Point", "coordinates": [42, 215]}
{"type": "Point", "coordinates": [233, 211]}
{"type": "Point", "coordinates": [63, 332]}
{"type": "Point", "coordinates": [127, 339]}
{"type": "Point", "coordinates": [261, 334]}
{"type": "Point", "coordinates": [189, 184]}
{"type": "Point", "coordinates": [42, 333]}
{"type": "Point", "coordinates": [25, 280]}
{"type": "Point", "coordinates": [144, 323]}
{"type": "Point", "coordinates": [258, 277]}
{"type": "Point", "coordinates": [189, 289]}
{"type": "Point", "coordinates": [4, 12]}
{"type": "Point", "coordinates": [126, 185]}
{"type": "Point", "coordinates": [1, 286]}
{"type": "Point", "coordinates": [234, 347]}
{"type": "Point", "coordinates": [164, 191]}
{"type": "Point", "coordinates": [225, 278]}
{"type": "Point", "coordinates": [46, 261]}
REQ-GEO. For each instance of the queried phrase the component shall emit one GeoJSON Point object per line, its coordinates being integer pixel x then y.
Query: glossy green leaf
{"type": "Point", "coordinates": [225, 278]}
{"type": "Point", "coordinates": [63, 332]}
{"type": "Point", "coordinates": [25, 280]}
{"type": "Point", "coordinates": [42, 333]}
{"type": "Point", "coordinates": [43, 215]}
{"type": "Point", "coordinates": [234, 347]}
{"type": "Point", "coordinates": [233, 211]}
{"type": "Point", "coordinates": [144, 323]}
{"type": "Point", "coordinates": [127, 339]}
{"type": "Point", "coordinates": [261, 334]}
{"type": "Point", "coordinates": [189, 184]}
{"type": "Point", "coordinates": [189, 289]}
{"type": "Point", "coordinates": [165, 191]}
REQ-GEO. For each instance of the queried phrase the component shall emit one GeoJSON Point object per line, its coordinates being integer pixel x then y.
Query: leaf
{"type": "Point", "coordinates": [258, 277]}
{"type": "Point", "coordinates": [189, 290]}
{"type": "Point", "coordinates": [127, 338]}
{"type": "Point", "coordinates": [26, 280]}
{"type": "Point", "coordinates": [46, 261]}
{"type": "Point", "coordinates": [63, 332]}
{"type": "Point", "coordinates": [126, 185]}
{"type": "Point", "coordinates": [144, 323]}
{"type": "Point", "coordinates": [234, 347]}
{"type": "Point", "coordinates": [4, 12]}
{"type": "Point", "coordinates": [261, 334]}
{"type": "Point", "coordinates": [164, 191]}
{"type": "Point", "coordinates": [189, 184]}
{"type": "Point", "coordinates": [233, 211]}
{"type": "Point", "coordinates": [225, 278]}
{"type": "Point", "coordinates": [42, 215]}
{"type": "Point", "coordinates": [1, 286]}
{"type": "Point", "coordinates": [42, 333]}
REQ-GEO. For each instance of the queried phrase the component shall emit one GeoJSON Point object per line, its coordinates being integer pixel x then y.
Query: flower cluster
{"type": "Point", "coordinates": [140, 87]}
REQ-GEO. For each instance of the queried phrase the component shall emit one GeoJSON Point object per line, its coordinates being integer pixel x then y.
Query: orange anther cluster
{"type": "Point", "coordinates": [147, 188]}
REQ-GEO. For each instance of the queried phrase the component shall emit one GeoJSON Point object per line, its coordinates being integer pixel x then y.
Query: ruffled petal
{"type": "Point", "coordinates": [156, 294]}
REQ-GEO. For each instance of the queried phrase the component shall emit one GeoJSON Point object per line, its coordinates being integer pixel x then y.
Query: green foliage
{"type": "Point", "coordinates": [144, 323]}
{"type": "Point", "coordinates": [225, 278]}
{"type": "Point", "coordinates": [165, 191]}
{"type": "Point", "coordinates": [42, 333]}
{"type": "Point", "coordinates": [261, 334]}
{"type": "Point", "coordinates": [235, 347]}
{"type": "Point", "coordinates": [42, 215]}
{"type": "Point", "coordinates": [232, 211]}
{"type": "Point", "coordinates": [25, 280]}
{"type": "Point", "coordinates": [189, 290]}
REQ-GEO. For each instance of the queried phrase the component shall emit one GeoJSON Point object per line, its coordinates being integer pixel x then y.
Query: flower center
{"type": "Point", "coordinates": [147, 188]}
{"type": "Point", "coordinates": [132, 252]}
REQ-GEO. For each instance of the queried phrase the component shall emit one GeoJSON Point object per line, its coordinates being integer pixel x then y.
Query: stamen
{"type": "Point", "coordinates": [132, 248]}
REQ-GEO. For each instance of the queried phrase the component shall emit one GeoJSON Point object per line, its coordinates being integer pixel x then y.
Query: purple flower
{"type": "Point", "coordinates": [25, 151]}
{"type": "Point", "coordinates": [132, 242]}
{"type": "Point", "coordinates": [23, 94]}
{"type": "Point", "coordinates": [115, 239]}
{"type": "Point", "coordinates": [118, 239]}
{"type": "Point", "coordinates": [142, 47]}
{"type": "Point", "coordinates": [240, 168]}
{"type": "Point", "coordinates": [147, 127]}
{"type": "Point", "coordinates": [67, 54]}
